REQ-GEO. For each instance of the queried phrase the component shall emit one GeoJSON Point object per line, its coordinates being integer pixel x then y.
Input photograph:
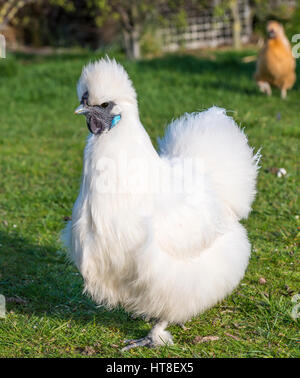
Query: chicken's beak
{"type": "Point", "coordinates": [271, 34]}
{"type": "Point", "coordinates": [81, 109]}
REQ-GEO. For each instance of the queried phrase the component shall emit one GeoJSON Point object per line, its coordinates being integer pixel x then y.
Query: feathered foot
{"type": "Point", "coordinates": [157, 336]}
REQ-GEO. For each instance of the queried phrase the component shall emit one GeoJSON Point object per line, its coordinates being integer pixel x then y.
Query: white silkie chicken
{"type": "Point", "coordinates": [158, 233]}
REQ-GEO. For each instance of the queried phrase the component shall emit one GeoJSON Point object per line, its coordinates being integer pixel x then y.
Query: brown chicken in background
{"type": "Point", "coordinates": [276, 64]}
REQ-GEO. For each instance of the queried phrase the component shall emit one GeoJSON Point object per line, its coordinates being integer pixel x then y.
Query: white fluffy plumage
{"type": "Point", "coordinates": [172, 251]}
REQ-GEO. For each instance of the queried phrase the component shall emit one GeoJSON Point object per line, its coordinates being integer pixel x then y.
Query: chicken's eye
{"type": "Point", "coordinates": [104, 105]}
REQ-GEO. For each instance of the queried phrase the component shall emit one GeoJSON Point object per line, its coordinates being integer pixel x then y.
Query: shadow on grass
{"type": "Point", "coordinates": [48, 285]}
{"type": "Point", "coordinates": [222, 68]}
{"type": "Point", "coordinates": [228, 67]}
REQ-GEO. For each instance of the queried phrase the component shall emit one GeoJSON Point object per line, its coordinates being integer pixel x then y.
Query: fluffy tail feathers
{"type": "Point", "coordinates": [215, 138]}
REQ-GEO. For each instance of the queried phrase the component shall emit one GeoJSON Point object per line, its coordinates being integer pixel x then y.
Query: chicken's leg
{"type": "Point", "coordinates": [265, 87]}
{"type": "Point", "coordinates": [283, 93]}
{"type": "Point", "coordinates": [156, 337]}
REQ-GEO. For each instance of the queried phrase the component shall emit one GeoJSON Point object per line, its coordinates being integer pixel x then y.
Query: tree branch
{"type": "Point", "coordinates": [10, 8]}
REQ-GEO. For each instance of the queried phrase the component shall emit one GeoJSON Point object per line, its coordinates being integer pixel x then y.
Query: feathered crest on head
{"type": "Point", "coordinates": [105, 80]}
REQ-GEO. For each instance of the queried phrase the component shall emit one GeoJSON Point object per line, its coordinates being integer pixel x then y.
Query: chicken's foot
{"type": "Point", "coordinates": [157, 336]}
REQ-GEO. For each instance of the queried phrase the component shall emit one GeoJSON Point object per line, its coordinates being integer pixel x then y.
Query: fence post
{"type": "Point", "coordinates": [2, 46]}
{"type": "Point", "coordinates": [2, 306]}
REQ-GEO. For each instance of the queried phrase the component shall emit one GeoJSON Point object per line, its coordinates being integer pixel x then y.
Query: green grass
{"type": "Point", "coordinates": [41, 146]}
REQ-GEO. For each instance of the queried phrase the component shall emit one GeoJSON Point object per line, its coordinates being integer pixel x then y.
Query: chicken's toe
{"type": "Point", "coordinates": [157, 336]}
{"type": "Point", "coordinates": [145, 341]}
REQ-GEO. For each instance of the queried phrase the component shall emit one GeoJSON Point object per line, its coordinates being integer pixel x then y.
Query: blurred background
{"type": "Point", "coordinates": [182, 56]}
{"type": "Point", "coordinates": [140, 28]}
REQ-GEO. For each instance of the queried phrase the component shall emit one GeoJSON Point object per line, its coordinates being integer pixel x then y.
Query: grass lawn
{"type": "Point", "coordinates": [41, 146]}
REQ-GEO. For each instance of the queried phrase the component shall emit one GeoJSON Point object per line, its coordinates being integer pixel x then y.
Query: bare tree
{"type": "Point", "coordinates": [133, 15]}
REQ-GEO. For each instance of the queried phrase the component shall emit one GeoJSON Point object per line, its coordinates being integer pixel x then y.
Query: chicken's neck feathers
{"type": "Point", "coordinates": [128, 135]}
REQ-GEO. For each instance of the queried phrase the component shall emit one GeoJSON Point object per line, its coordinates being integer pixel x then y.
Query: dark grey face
{"type": "Point", "coordinates": [271, 34]}
{"type": "Point", "coordinates": [98, 117]}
